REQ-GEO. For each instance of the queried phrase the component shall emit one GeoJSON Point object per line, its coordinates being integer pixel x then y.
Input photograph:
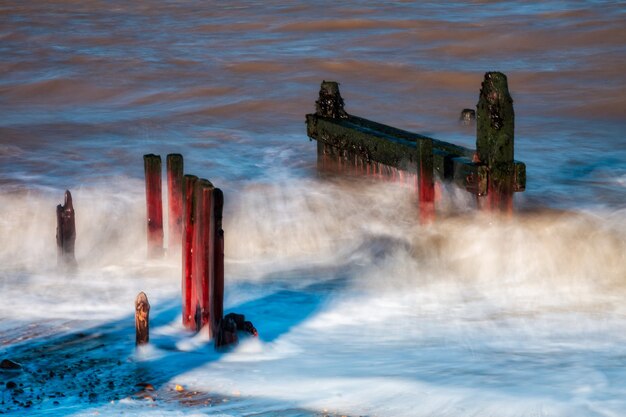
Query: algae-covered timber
{"type": "Point", "coordinates": [351, 137]}
{"type": "Point", "coordinates": [495, 121]}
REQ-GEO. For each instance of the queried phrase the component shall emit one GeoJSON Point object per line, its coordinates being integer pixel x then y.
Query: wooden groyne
{"type": "Point", "coordinates": [354, 144]}
{"type": "Point", "coordinates": [195, 229]}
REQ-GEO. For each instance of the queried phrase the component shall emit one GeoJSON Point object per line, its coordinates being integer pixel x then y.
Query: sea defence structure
{"type": "Point", "coordinates": [353, 144]}
{"type": "Point", "coordinates": [195, 229]}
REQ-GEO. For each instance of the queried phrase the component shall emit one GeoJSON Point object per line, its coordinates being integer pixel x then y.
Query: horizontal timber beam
{"type": "Point", "coordinates": [370, 141]}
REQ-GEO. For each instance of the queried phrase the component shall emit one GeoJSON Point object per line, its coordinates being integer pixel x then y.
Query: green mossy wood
{"type": "Point", "coordinates": [495, 121]}
{"type": "Point", "coordinates": [330, 103]}
{"type": "Point", "coordinates": [351, 137]}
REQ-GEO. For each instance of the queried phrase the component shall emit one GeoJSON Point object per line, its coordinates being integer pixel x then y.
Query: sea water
{"type": "Point", "coordinates": [361, 310]}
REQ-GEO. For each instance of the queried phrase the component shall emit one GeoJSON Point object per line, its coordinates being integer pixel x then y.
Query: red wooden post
{"type": "Point", "coordinates": [218, 279]}
{"type": "Point", "coordinates": [189, 182]}
{"type": "Point", "coordinates": [66, 232]}
{"type": "Point", "coordinates": [426, 187]}
{"type": "Point", "coordinates": [154, 203]}
{"type": "Point", "coordinates": [175, 199]}
{"type": "Point", "coordinates": [203, 252]}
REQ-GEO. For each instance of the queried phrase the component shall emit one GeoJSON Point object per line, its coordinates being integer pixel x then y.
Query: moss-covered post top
{"type": "Point", "coordinates": [494, 120]}
{"type": "Point", "coordinates": [330, 103]}
{"type": "Point", "coordinates": [494, 139]}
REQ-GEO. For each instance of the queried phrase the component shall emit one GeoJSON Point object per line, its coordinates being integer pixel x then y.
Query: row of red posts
{"type": "Point", "coordinates": [195, 228]}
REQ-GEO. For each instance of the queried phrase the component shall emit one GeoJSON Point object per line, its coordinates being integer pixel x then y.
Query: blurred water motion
{"type": "Point", "coordinates": [361, 310]}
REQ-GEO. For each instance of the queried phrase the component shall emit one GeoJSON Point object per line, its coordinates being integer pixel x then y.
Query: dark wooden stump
{"type": "Point", "coordinates": [175, 200]}
{"type": "Point", "coordinates": [495, 139]}
{"type": "Point", "coordinates": [218, 261]}
{"type": "Point", "coordinates": [66, 232]}
{"type": "Point", "coordinates": [203, 251]}
{"type": "Point", "coordinates": [188, 239]}
{"type": "Point", "coordinates": [330, 103]}
{"type": "Point", "coordinates": [154, 204]}
{"type": "Point", "coordinates": [226, 335]}
{"type": "Point", "coordinates": [142, 319]}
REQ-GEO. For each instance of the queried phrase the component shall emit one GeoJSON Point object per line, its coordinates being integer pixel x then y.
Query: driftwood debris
{"type": "Point", "coordinates": [495, 121]}
{"type": "Point", "coordinates": [142, 319]}
{"type": "Point", "coordinates": [66, 232]}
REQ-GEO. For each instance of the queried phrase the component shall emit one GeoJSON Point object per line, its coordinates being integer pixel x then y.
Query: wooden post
{"type": "Point", "coordinates": [175, 198]}
{"type": "Point", "coordinates": [494, 139]}
{"type": "Point", "coordinates": [188, 238]}
{"type": "Point", "coordinates": [66, 232]}
{"type": "Point", "coordinates": [218, 278]}
{"type": "Point", "coordinates": [330, 103]}
{"type": "Point", "coordinates": [142, 319]}
{"type": "Point", "coordinates": [226, 335]}
{"type": "Point", "coordinates": [426, 188]}
{"type": "Point", "coordinates": [203, 251]}
{"type": "Point", "coordinates": [154, 204]}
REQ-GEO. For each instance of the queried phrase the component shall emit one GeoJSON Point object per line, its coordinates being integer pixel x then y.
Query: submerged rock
{"type": "Point", "coordinates": [9, 365]}
{"type": "Point", "coordinates": [146, 386]}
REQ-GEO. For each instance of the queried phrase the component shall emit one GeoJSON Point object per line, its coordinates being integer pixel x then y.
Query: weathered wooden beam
{"type": "Point", "coordinates": [66, 232]}
{"type": "Point", "coordinates": [188, 239]}
{"type": "Point", "coordinates": [142, 319]}
{"type": "Point", "coordinates": [368, 144]}
{"type": "Point", "coordinates": [154, 204]}
{"type": "Point", "coordinates": [175, 200]}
